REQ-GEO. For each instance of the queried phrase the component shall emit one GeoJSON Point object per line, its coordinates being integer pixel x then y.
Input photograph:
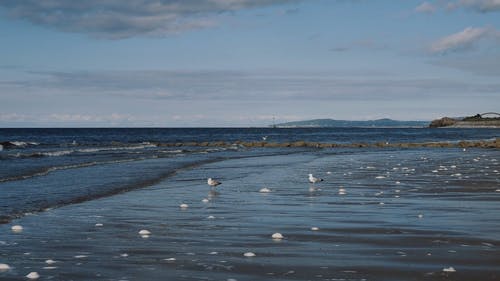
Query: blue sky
{"type": "Point", "coordinates": [176, 63]}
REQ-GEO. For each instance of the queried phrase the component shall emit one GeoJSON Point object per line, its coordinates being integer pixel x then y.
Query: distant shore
{"type": "Point", "coordinates": [476, 121]}
{"type": "Point", "coordinates": [476, 124]}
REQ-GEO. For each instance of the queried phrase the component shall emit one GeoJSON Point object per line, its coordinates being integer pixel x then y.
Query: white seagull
{"type": "Point", "coordinates": [212, 182]}
{"type": "Point", "coordinates": [314, 179]}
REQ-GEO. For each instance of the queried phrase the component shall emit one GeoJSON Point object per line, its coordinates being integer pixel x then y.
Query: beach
{"type": "Point", "coordinates": [379, 214]}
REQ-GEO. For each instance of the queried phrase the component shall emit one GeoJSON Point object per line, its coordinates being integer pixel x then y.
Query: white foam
{"type": "Point", "coordinates": [57, 153]}
{"type": "Point", "coordinates": [184, 206]}
{"type": "Point", "coordinates": [99, 225]}
{"type": "Point", "coordinates": [80, 256]}
{"type": "Point", "coordinates": [205, 200]}
{"type": "Point", "coordinates": [4, 267]}
{"type": "Point", "coordinates": [249, 254]}
{"type": "Point", "coordinates": [170, 259]}
{"type": "Point", "coordinates": [18, 143]}
{"type": "Point", "coordinates": [314, 228]}
{"type": "Point", "coordinates": [49, 261]}
{"type": "Point", "coordinates": [277, 236]}
{"type": "Point", "coordinates": [49, 267]}
{"type": "Point", "coordinates": [16, 228]}
{"type": "Point", "coordinates": [449, 269]}
{"type": "Point", "coordinates": [144, 232]}
{"type": "Point", "coordinates": [380, 177]}
{"type": "Point", "coordinates": [33, 275]}
{"type": "Point", "coordinates": [264, 190]}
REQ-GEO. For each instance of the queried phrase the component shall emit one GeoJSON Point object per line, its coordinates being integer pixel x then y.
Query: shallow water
{"type": "Point", "coordinates": [406, 214]}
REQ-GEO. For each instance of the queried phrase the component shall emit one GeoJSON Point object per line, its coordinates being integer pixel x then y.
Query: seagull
{"type": "Point", "coordinates": [314, 179]}
{"type": "Point", "coordinates": [212, 182]}
{"type": "Point", "coordinates": [264, 138]}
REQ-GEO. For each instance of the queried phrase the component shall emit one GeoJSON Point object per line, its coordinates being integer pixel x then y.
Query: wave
{"type": "Point", "coordinates": [6, 218]}
{"type": "Point", "coordinates": [16, 144]}
{"type": "Point", "coordinates": [58, 153]}
{"type": "Point", "coordinates": [49, 170]}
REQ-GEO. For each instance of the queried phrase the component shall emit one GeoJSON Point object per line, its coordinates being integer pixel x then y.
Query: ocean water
{"type": "Point", "coordinates": [83, 195]}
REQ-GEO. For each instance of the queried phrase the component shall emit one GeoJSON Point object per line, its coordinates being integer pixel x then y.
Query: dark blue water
{"type": "Point", "coordinates": [61, 137]}
{"type": "Point", "coordinates": [82, 195]}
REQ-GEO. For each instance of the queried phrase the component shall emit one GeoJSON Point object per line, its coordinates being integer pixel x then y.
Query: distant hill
{"type": "Point", "coordinates": [347, 123]}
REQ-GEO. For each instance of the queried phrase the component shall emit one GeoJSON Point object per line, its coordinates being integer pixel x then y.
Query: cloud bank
{"type": "Point", "coordinates": [228, 86]}
{"type": "Point", "coordinates": [483, 6]}
{"type": "Point", "coordinates": [230, 98]}
{"type": "Point", "coordinates": [426, 8]}
{"type": "Point", "coordinates": [117, 19]}
{"type": "Point", "coordinates": [463, 40]}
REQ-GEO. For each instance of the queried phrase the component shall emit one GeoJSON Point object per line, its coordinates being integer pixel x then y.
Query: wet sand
{"type": "Point", "coordinates": [413, 214]}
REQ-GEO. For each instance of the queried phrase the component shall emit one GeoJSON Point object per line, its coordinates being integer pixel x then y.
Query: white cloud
{"type": "Point", "coordinates": [9, 117]}
{"type": "Point", "coordinates": [463, 40]}
{"type": "Point", "coordinates": [112, 119]}
{"type": "Point", "coordinates": [483, 6]}
{"type": "Point", "coordinates": [116, 19]}
{"type": "Point", "coordinates": [426, 8]}
{"type": "Point", "coordinates": [64, 117]}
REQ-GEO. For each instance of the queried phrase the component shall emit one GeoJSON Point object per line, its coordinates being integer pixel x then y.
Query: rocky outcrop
{"type": "Point", "coordinates": [305, 144]}
{"type": "Point", "coordinates": [476, 121]}
{"type": "Point", "coordinates": [443, 122]}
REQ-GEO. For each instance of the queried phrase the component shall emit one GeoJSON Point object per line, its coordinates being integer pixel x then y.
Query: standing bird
{"type": "Point", "coordinates": [314, 179]}
{"type": "Point", "coordinates": [212, 182]}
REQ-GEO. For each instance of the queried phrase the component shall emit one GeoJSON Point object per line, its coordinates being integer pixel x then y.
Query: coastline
{"type": "Point", "coordinates": [476, 124]}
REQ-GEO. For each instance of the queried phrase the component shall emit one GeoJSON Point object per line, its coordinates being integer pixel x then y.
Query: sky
{"type": "Point", "coordinates": [232, 63]}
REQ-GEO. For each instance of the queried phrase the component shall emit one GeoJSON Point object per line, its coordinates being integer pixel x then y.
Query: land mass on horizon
{"type": "Point", "coordinates": [485, 120]}
{"type": "Point", "coordinates": [381, 123]}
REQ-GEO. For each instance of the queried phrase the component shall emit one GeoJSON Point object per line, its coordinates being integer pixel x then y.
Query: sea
{"type": "Point", "coordinates": [133, 204]}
